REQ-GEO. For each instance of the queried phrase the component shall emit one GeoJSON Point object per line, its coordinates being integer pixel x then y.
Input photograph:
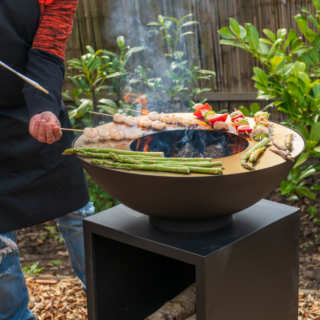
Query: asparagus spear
{"type": "Point", "coordinates": [126, 152]}
{"type": "Point", "coordinates": [206, 170]}
{"type": "Point", "coordinates": [142, 167]}
{"type": "Point", "coordinates": [178, 159]}
{"type": "Point", "coordinates": [193, 164]}
{"type": "Point", "coordinates": [90, 154]}
{"type": "Point", "coordinates": [246, 156]}
{"type": "Point", "coordinates": [254, 155]}
{"type": "Point", "coordinates": [118, 158]}
{"type": "Point", "coordinates": [288, 142]}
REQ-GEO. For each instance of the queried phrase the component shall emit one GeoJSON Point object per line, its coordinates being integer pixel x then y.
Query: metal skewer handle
{"type": "Point", "coordinates": [33, 83]}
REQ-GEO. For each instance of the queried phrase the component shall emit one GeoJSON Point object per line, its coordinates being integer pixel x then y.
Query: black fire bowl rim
{"type": "Point", "coordinates": [193, 177]}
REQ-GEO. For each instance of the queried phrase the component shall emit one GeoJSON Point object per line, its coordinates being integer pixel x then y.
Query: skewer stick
{"type": "Point", "coordinates": [103, 114]}
{"type": "Point", "coordinates": [33, 83]}
{"type": "Point", "coordinates": [65, 129]}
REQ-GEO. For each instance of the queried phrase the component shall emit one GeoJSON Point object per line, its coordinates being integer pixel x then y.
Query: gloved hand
{"type": "Point", "coordinates": [45, 127]}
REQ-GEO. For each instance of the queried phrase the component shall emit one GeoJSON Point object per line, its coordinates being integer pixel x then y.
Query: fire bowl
{"type": "Point", "coordinates": [196, 196]}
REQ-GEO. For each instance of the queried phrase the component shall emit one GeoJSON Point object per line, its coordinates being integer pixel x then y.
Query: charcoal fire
{"type": "Point", "coordinates": [192, 144]}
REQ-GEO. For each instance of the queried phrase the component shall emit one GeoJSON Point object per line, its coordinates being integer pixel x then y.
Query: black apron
{"type": "Point", "coordinates": [37, 183]}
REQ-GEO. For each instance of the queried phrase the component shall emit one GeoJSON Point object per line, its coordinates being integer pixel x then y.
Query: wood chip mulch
{"type": "Point", "coordinates": [57, 299]}
{"type": "Point", "coordinates": [309, 306]}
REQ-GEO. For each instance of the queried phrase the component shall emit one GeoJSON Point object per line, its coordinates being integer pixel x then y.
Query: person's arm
{"type": "Point", "coordinates": [45, 66]}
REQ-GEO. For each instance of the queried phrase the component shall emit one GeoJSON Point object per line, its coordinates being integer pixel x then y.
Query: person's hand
{"type": "Point", "coordinates": [45, 127]}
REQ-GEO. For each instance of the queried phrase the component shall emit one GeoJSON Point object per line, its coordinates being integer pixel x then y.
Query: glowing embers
{"type": "Point", "coordinates": [192, 143]}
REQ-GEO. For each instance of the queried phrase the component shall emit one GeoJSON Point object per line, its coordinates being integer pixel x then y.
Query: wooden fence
{"type": "Point", "coordinates": [99, 22]}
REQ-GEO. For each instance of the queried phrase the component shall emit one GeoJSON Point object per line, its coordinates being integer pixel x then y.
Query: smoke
{"type": "Point", "coordinates": [129, 18]}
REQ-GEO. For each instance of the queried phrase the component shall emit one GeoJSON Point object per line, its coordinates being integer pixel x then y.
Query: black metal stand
{"type": "Point", "coordinates": [246, 270]}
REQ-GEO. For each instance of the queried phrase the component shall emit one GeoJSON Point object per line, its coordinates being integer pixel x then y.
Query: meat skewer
{"type": "Point", "coordinates": [33, 83]}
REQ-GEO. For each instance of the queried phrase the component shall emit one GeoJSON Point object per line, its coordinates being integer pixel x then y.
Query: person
{"type": "Point", "coordinates": [37, 183]}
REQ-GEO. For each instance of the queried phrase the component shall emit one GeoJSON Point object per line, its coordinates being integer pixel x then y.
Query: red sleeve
{"type": "Point", "coordinates": [55, 26]}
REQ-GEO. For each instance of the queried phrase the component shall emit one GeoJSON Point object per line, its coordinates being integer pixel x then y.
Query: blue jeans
{"type": "Point", "coordinates": [14, 298]}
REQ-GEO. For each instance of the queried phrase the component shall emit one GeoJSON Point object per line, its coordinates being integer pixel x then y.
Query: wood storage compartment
{"type": "Point", "coordinates": [180, 308]}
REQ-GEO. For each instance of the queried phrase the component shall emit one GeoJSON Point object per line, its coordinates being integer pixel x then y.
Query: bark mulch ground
{"type": "Point", "coordinates": [43, 243]}
{"type": "Point", "coordinates": [57, 299]}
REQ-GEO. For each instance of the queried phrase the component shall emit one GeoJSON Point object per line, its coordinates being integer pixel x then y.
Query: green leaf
{"type": "Point", "coordinates": [315, 132]}
{"type": "Point", "coordinates": [287, 187]}
{"type": "Point", "coordinates": [178, 54]}
{"type": "Point", "coordinates": [316, 220]}
{"type": "Point", "coordinates": [90, 49]}
{"type": "Point", "coordinates": [293, 198]}
{"type": "Point", "coordinates": [243, 33]}
{"type": "Point", "coordinates": [153, 24]}
{"type": "Point", "coordinates": [274, 48]}
{"type": "Point", "coordinates": [281, 34]}
{"type": "Point", "coordinates": [302, 22]}
{"type": "Point", "coordinates": [254, 107]}
{"type": "Point", "coordinates": [304, 191]}
{"type": "Point", "coordinates": [304, 9]}
{"type": "Point", "coordinates": [277, 62]}
{"type": "Point", "coordinates": [261, 76]}
{"type": "Point", "coordinates": [270, 34]}
{"type": "Point", "coordinates": [310, 144]}
{"type": "Point", "coordinates": [316, 42]}
{"type": "Point", "coordinates": [226, 33]}
{"type": "Point", "coordinates": [185, 17]}
{"type": "Point", "coordinates": [311, 35]}
{"type": "Point", "coordinates": [303, 131]}
{"type": "Point", "coordinates": [299, 67]}
{"type": "Point", "coordinates": [186, 33]}
{"type": "Point", "coordinates": [245, 111]}
{"type": "Point", "coordinates": [313, 20]}
{"type": "Point", "coordinates": [121, 41]}
{"type": "Point", "coordinates": [307, 59]}
{"type": "Point", "coordinates": [317, 149]}
{"type": "Point", "coordinates": [305, 78]}
{"type": "Point", "coordinates": [234, 26]}
{"type": "Point", "coordinates": [189, 23]}
{"type": "Point", "coordinates": [292, 35]}
{"type": "Point", "coordinates": [108, 109]}
{"type": "Point", "coordinates": [263, 48]}
{"type": "Point", "coordinates": [303, 158]}
{"type": "Point", "coordinates": [266, 41]}
{"type": "Point", "coordinates": [108, 102]}
{"type": "Point", "coordinates": [314, 54]}
{"type": "Point", "coordinates": [252, 36]}
{"type": "Point", "coordinates": [307, 173]}
{"type": "Point", "coordinates": [167, 24]}
{"type": "Point", "coordinates": [109, 53]}
{"type": "Point", "coordinates": [315, 187]}
{"type": "Point", "coordinates": [313, 210]}
{"type": "Point", "coordinates": [232, 43]}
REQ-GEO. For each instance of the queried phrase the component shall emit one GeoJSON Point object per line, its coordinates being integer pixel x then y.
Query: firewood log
{"type": "Point", "coordinates": [194, 317]}
{"type": "Point", "coordinates": [180, 308]}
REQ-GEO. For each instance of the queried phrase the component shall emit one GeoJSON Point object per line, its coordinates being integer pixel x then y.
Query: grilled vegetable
{"type": "Point", "coordinates": [288, 142]}
{"type": "Point", "coordinates": [241, 122]}
{"type": "Point", "coordinates": [240, 116]}
{"type": "Point", "coordinates": [255, 155]}
{"type": "Point", "coordinates": [209, 113]}
{"type": "Point", "coordinates": [246, 156]}
{"type": "Point", "coordinates": [236, 113]}
{"type": "Point", "coordinates": [261, 114]}
{"type": "Point", "coordinates": [152, 167]}
{"type": "Point", "coordinates": [219, 125]}
{"type": "Point", "coordinates": [198, 112]}
{"type": "Point", "coordinates": [259, 136]}
{"type": "Point", "coordinates": [217, 117]}
{"type": "Point", "coordinates": [244, 129]}
{"type": "Point", "coordinates": [284, 154]}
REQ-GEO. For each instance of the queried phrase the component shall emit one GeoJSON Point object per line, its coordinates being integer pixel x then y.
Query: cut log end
{"type": "Point", "coordinates": [181, 307]}
{"type": "Point", "coordinates": [194, 317]}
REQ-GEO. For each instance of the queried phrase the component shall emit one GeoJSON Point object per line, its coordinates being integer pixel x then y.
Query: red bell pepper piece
{"type": "Point", "coordinates": [217, 117]}
{"type": "Point", "coordinates": [237, 117]}
{"type": "Point", "coordinates": [244, 129]}
{"type": "Point", "coordinates": [204, 107]}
